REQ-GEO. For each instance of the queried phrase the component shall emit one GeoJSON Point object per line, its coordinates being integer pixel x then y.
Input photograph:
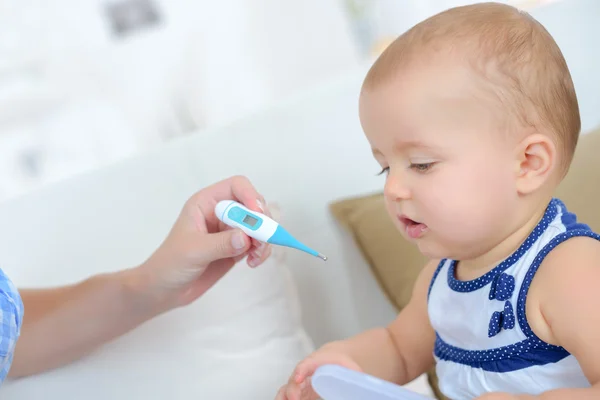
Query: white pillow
{"type": "Point", "coordinates": [240, 341]}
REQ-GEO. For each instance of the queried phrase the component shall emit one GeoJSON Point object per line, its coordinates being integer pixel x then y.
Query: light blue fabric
{"type": "Point", "coordinates": [11, 317]}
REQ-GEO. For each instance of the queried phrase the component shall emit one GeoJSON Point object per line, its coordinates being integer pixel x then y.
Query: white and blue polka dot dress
{"type": "Point", "coordinates": [484, 342]}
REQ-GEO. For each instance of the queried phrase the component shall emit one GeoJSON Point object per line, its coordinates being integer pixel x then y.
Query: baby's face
{"type": "Point", "coordinates": [451, 173]}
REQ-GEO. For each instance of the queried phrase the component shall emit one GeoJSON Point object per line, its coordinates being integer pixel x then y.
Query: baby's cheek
{"type": "Point", "coordinates": [461, 215]}
{"type": "Point", "coordinates": [390, 208]}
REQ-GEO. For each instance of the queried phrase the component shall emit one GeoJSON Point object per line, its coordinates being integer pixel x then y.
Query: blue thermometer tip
{"type": "Point", "coordinates": [259, 226]}
{"type": "Point", "coordinates": [284, 238]}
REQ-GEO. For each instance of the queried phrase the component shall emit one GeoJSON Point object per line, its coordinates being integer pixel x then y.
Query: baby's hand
{"type": "Point", "coordinates": [299, 387]}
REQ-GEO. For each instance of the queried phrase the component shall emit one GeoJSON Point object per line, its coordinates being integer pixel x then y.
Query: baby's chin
{"type": "Point", "coordinates": [433, 254]}
{"type": "Point", "coordinates": [431, 249]}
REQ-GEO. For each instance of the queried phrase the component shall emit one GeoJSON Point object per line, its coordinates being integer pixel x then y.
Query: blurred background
{"type": "Point", "coordinates": [84, 83]}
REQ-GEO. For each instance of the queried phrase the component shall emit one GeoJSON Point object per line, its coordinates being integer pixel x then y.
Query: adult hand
{"type": "Point", "coordinates": [200, 249]}
{"type": "Point", "coordinates": [196, 253]}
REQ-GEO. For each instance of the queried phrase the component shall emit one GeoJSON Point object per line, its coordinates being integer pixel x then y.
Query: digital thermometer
{"type": "Point", "coordinates": [259, 226]}
{"type": "Point", "coordinates": [333, 382]}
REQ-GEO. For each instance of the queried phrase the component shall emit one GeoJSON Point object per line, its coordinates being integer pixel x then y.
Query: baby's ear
{"type": "Point", "coordinates": [535, 162]}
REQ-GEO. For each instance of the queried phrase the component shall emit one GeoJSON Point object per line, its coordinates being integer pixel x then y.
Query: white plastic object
{"type": "Point", "coordinates": [259, 226]}
{"type": "Point", "coordinates": [334, 382]}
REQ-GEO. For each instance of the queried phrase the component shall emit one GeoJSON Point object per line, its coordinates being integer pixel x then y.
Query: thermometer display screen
{"type": "Point", "coordinates": [250, 220]}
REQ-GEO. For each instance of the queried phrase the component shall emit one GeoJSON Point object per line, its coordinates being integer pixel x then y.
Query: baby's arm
{"type": "Point", "coordinates": [563, 309]}
{"type": "Point", "coordinates": [411, 334]}
{"type": "Point", "coordinates": [398, 353]}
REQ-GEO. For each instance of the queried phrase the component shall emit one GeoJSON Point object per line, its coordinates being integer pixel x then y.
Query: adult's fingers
{"type": "Point", "coordinates": [238, 188]}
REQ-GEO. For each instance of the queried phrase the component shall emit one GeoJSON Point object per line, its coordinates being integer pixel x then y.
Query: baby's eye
{"type": "Point", "coordinates": [385, 171]}
{"type": "Point", "coordinates": [421, 167]}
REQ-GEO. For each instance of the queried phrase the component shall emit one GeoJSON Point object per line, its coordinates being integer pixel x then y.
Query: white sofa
{"type": "Point", "coordinates": [243, 338]}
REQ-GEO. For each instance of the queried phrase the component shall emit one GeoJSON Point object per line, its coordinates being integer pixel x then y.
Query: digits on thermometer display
{"type": "Point", "coordinates": [250, 220]}
{"type": "Point", "coordinates": [259, 226]}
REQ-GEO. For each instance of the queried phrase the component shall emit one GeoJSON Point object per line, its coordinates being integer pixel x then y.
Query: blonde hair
{"type": "Point", "coordinates": [514, 53]}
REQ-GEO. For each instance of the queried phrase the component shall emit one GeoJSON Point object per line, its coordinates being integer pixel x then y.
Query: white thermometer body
{"type": "Point", "coordinates": [258, 226]}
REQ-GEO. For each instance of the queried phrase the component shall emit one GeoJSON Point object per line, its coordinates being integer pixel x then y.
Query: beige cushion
{"type": "Point", "coordinates": [580, 190]}
{"type": "Point", "coordinates": [396, 263]}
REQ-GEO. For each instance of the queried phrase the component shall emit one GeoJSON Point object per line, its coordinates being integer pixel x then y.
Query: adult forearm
{"type": "Point", "coordinates": [63, 324]}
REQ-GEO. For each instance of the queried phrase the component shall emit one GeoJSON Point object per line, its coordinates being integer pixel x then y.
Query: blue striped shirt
{"type": "Point", "coordinates": [11, 317]}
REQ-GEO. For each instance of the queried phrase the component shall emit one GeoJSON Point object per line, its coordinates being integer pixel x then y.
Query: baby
{"type": "Point", "coordinates": [473, 117]}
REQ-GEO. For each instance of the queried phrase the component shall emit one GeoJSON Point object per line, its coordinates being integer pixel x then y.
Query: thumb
{"type": "Point", "coordinates": [225, 244]}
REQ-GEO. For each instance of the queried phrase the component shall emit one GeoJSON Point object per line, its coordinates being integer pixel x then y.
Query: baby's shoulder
{"type": "Point", "coordinates": [571, 266]}
{"type": "Point", "coordinates": [566, 284]}
{"type": "Point", "coordinates": [570, 257]}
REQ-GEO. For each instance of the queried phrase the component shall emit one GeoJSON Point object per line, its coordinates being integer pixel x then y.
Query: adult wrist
{"type": "Point", "coordinates": [143, 293]}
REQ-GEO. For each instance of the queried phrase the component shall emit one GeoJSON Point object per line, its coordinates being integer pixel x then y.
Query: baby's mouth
{"type": "Point", "coordinates": [413, 229]}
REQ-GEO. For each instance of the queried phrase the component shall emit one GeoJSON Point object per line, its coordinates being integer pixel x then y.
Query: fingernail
{"type": "Point", "coordinates": [260, 205]}
{"type": "Point", "coordinates": [237, 241]}
{"type": "Point", "coordinates": [260, 249]}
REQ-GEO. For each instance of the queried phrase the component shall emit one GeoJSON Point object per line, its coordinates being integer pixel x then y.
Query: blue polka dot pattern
{"type": "Point", "coordinates": [446, 351]}
{"type": "Point", "coordinates": [495, 324]}
{"type": "Point", "coordinates": [509, 316]}
{"type": "Point", "coordinates": [492, 294]}
{"type": "Point", "coordinates": [517, 356]}
{"type": "Point", "coordinates": [502, 287]}
{"type": "Point", "coordinates": [469, 286]}
{"type": "Point", "coordinates": [501, 320]}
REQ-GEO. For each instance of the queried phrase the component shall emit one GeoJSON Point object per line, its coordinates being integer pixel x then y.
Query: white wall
{"type": "Point", "coordinates": [575, 25]}
{"type": "Point", "coordinates": [74, 96]}
{"type": "Point", "coordinates": [266, 50]}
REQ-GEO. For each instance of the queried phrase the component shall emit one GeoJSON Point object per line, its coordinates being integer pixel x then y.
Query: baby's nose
{"type": "Point", "coordinates": [396, 188]}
